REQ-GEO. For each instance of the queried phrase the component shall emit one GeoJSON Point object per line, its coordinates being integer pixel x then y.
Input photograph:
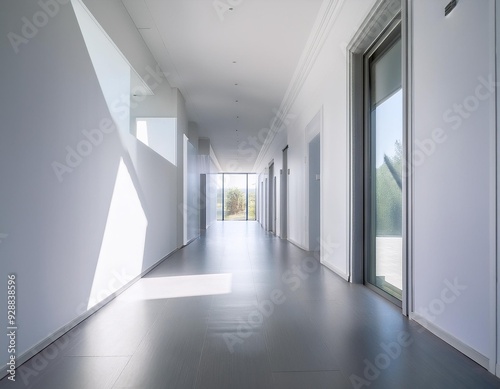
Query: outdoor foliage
{"type": "Point", "coordinates": [251, 205]}
{"type": "Point", "coordinates": [235, 201]}
{"type": "Point", "coordinates": [389, 195]}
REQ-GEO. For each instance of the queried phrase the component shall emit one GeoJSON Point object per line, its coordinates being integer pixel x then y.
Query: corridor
{"type": "Point", "coordinates": [239, 308]}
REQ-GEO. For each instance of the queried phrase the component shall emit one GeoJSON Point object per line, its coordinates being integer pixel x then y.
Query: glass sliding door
{"type": "Point", "coordinates": [236, 196]}
{"type": "Point", "coordinates": [220, 196]}
{"type": "Point", "coordinates": [383, 166]}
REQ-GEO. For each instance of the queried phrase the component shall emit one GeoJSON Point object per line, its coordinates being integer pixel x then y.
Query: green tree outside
{"type": "Point", "coordinates": [251, 205]}
{"type": "Point", "coordinates": [389, 195]}
{"type": "Point", "coordinates": [235, 201]}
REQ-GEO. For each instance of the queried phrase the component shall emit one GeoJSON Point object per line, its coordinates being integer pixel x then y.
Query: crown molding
{"type": "Point", "coordinates": [327, 16]}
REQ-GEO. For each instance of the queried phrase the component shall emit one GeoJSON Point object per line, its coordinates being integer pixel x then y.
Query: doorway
{"type": "Point", "coordinates": [266, 208]}
{"type": "Point", "coordinates": [314, 193]}
{"type": "Point", "coordinates": [271, 200]}
{"type": "Point", "coordinates": [236, 196]}
{"type": "Point", "coordinates": [383, 181]}
{"type": "Point", "coordinates": [284, 196]}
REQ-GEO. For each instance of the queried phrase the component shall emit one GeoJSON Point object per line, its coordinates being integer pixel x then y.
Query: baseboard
{"type": "Point", "coordinates": [336, 270]}
{"type": "Point", "coordinates": [188, 242]}
{"type": "Point", "coordinates": [40, 346]}
{"type": "Point", "coordinates": [297, 244]}
{"type": "Point", "coordinates": [452, 341]}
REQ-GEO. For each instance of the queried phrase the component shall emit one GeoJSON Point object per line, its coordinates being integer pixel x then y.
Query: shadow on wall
{"type": "Point", "coordinates": [86, 211]}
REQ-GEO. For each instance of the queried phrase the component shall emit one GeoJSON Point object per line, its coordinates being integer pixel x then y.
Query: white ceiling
{"type": "Point", "coordinates": [197, 42]}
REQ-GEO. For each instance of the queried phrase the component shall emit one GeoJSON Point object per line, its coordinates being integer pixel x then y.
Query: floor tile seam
{"type": "Point", "coordinates": [197, 376]}
{"type": "Point", "coordinates": [307, 371]}
{"type": "Point", "coordinates": [268, 351]}
{"type": "Point", "coordinates": [120, 373]}
{"type": "Point", "coordinates": [98, 356]}
{"type": "Point", "coordinates": [146, 333]}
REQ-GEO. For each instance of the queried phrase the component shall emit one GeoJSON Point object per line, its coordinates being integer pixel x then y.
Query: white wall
{"type": "Point", "coordinates": [55, 231]}
{"type": "Point", "coordinates": [453, 184]}
{"type": "Point", "coordinates": [182, 176]}
{"type": "Point", "coordinates": [163, 103]}
{"type": "Point", "coordinates": [193, 193]}
{"type": "Point", "coordinates": [114, 18]}
{"type": "Point", "coordinates": [275, 155]}
{"type": "Point", "coordinates": [111, 68]}
{"type": "Point", "coordinates": [453, 201]}
{"type": "Point", "coordinates": [63, 231]}
{"type": "Point", "coordinates": [453, 204]}
{"type": "Point", "coordinates": [325, 89]}
{"type": "Point", "coordinates": [209, 166]}
{"type": "Point", "coordinates": [495, 268]}
{"type": "Point", "coordinates": [160, 134]}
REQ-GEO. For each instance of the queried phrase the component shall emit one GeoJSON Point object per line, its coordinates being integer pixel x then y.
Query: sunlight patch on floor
{"type": "Point", "coordinates": [179, 286]}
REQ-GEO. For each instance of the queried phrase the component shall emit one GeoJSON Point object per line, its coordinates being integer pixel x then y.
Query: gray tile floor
{"type": "Point", "coordinates": [239, 308]}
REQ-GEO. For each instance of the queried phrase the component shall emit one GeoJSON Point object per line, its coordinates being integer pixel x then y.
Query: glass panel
{"type": "Point", "coordinates": [236, 196]}
{"type": "Point", "coordinates": [252, 194]}
{"type": "Point", "coordinates": [386, 74]}
{"type": "Point", "coordinates": [235, 201]}
{"type": "Point", "coordinates": [388, 125]}
{"type": "Point", "coordinates": [219, 197]}
{"type": "Point", "coordinates": [386, 139]}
